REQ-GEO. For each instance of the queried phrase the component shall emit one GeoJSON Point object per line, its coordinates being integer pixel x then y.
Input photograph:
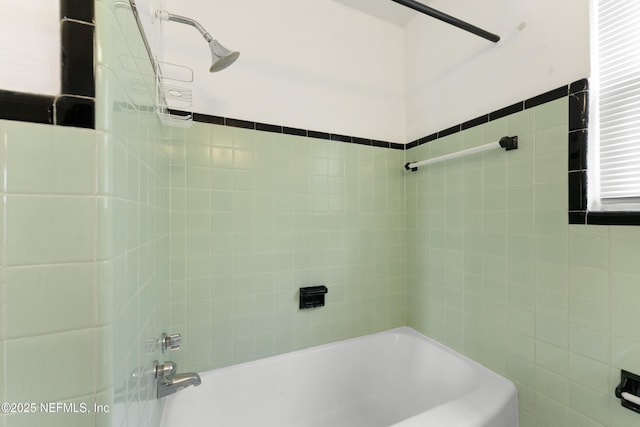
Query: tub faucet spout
{"type": "Point", "coordinates": [173, 382]}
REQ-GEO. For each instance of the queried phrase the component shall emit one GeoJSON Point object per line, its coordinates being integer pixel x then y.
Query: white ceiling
{"type": "Point", "coordinates": [386, 10]}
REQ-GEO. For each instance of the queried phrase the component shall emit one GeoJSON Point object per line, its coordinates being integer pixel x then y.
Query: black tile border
{"type": "Point", "coordinates": [612, 218]}
{"type": "Point", "coordinates": [577, 167]}
{"type": "Point", "coordinates": [506, 111]}
{"type": "Point", "coordinates": [552, 95]}
{"type": "Point", "coordinates": [18, 106]}
{"type": "Point", "coordinates": [517, 107]}
{"type": "Point", "coordinates": [319, 135]}
{"type": "Point", "coordinates": [268, 128]}
{"type": "Point", "coordinates": [78, 76]}
{"type": "Point", "coordinates": [577, 150]}
{"type": "Point", "coordinates": [285, 130]}
{"type": "Point", "coordinates": [475, 122]}
{"type": "Point", "coordinates": [75, 111]}
{"type": "Point", "coordinates": [244, 124]}
{"type": "Point", "coordinates": [535, 101]}
{"type": "Point", "coordinates": [75, 105]}
{"type": "Point", "coordinates": [78, 10]}
{"type": "Point", "coordinates": [293, 131]}
{"type": "Point", "coordinates": [202, 118]}
{"type": "Point", "coordinates": [449, 131]}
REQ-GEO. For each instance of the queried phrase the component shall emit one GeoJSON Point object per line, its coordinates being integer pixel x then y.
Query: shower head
{"type": "Point", "coordinates": [221, 56]}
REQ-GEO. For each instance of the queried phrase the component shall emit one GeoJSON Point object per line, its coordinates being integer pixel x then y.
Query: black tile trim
{"type": "Point", "coordinates": [381, 144]}
{"type": "Point", "coordinates": [202, 118]}
{"type": "Point", "coordinates": [77, 69]}
{"type": "Point", "coordinates": [552, 95]}
{"type": "Point", "coordinates": [319, 135]}
{"type": "Point", "coordinates": [613, 218]}
{"type": "Point", "coordinates": [579, 86]}
{"type": "Point", "coordinates": [578, 113]}
{"type": "Point", "coordinates": [578, 150]}
{"type": "Point", "coordinates": [449, 131]}
{"type": "Point", "coordinates": [268, 128]}
{"type": "Point", "coordinates": [549, 96]}
{"type": "Point", "coordinates": [428, 138]}
{"type": "Point", "coordinates": [577, 217]}
{"type": "Point", "coordinates": [26, 107]}
{"type": "Point", "coordinates": [294, 131]}
{"type": "Point", "coordinates": [360, 141]}
{"type": "Point", "coordinates": [75, 111]}
{"type": "Point", "coordinates": [79, 10]}
{"type": "Point", "coordinates": [507, 111]}
{"type": "Point", "coordinates": [344, 138]}
{"type": "Point", "coordinates": [475, 122]}
{"type": "Point", "coordinates": [237, 123]}
{"type": "Point", "coordinates": [577, 190]}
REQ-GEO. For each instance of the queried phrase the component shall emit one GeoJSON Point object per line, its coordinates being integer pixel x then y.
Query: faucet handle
{"type": "Point", "coordinates": [165, 369]}
{"type": "Point", "coordinates": [170, 342]}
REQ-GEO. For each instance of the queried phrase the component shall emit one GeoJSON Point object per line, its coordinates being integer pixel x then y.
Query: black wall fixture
{"type": "Point", "coordinates": [629, 391]}
{"type": "Point", "coordinates": [312, 296]}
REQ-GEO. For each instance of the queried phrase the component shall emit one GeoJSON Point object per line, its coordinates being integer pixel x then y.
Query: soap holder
{"type": "Point", "coordinates": [312, 296]}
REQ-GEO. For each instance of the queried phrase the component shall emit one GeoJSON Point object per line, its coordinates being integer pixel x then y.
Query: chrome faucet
{"type": "Point", "coordinates": [170, 382]}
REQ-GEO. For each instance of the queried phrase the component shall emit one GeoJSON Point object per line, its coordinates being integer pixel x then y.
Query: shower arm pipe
{"type": "Point", "coordinates": [166, 16]}
{"type": "Point", "coordinates": [506, 142]}
{"type": "Point", "coordinates": [412, 4]}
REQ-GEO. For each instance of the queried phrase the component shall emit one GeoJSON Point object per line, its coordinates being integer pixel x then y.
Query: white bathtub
{"type": "Point", "coordinates": [398, 377]}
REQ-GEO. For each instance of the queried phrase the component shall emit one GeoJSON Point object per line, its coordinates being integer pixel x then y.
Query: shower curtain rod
{"type": "Point", "coordinates": [506, 142]}
{"type": "Point", "coordinates": [449, 19]}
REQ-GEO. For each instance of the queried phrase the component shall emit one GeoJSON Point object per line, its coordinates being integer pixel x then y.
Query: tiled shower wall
{"type": "Point", "coordinates": [84, 226]}
{"type": "Point", "coordinates": [50, 326]}
{"type": "Point", "coordinates": [133, 221]}
{"type": "Point", "coordinates": [495, 271]}
{"type": "Point", "coordinates": [256, 215]}
{"type": "Point", "coordinates": [138, 213]}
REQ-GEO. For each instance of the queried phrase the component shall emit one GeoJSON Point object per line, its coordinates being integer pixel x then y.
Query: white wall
{"type": "Point", "coordinates": [453, 76]}
{"type": "Point", "coordinates": [30, 46]}
{"type": "Point", "coordinates": [320, 65]}
{"type": "Point", "coordinates": [309, 64]}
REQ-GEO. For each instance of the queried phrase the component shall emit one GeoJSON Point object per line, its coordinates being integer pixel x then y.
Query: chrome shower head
{"type": "Point", "coordinates": [221, 56]}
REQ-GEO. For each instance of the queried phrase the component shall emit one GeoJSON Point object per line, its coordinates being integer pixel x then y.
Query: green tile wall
{"type": "Point", "coordinates": [84, 229]}
{"type": "Point", "coordinates": [48, 285]}
{"type": "Point", "coordinates": [255, 216]}
{"type": "Point", "coordinates": [110, 237]}
{"type": "Point", "coordinates": [133, 219]}
{"type": "Point", "coordinates": [495, 272]}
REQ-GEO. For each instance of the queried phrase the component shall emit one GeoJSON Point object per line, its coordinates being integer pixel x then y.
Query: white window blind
{"type": "Point", "coordinates": [616, 72]}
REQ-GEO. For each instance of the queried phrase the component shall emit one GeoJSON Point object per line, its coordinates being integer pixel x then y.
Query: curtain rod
{"type": "Point", "coordinates": [449, 19]}
{"type": "Point", "coordinates": [506, 142]}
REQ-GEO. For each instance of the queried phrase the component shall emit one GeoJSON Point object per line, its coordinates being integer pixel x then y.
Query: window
{"type": "Point", "coordinates": [614, 140]}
